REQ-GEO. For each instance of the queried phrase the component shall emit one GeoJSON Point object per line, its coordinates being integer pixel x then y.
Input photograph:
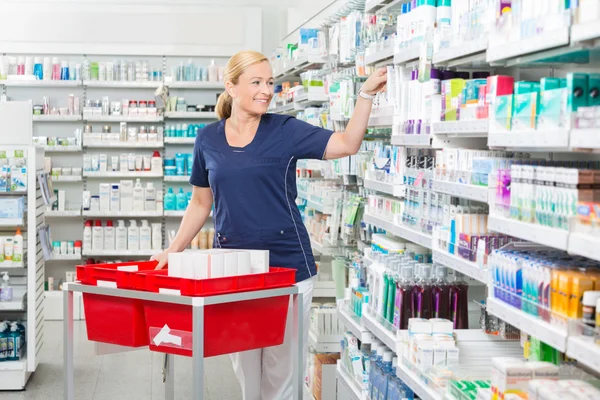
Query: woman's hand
{"type": "Point", "coordinates": [162, 258]}
{"type": "Point", "coordinates": [376, 82]}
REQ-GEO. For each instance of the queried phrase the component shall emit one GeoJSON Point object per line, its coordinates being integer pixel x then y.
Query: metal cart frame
{"type": "Point", "coordinates": [197, 304]}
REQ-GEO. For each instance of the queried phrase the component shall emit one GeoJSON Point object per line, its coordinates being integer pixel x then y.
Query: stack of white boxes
{"type": "Point", "coordinates": [218, 263]}
{"type": "Point", "coordinates": [431, 343]}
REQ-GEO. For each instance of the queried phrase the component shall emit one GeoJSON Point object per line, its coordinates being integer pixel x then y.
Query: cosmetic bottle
{"type": "Point", "coordinates": [121, 236]}
{"type": "Point", "coordinates": [109, 236]}
{"type": "Point", "coordinates": [87, 236]}
{"type": "Point", "coordinates": [213, 72]}
{"type": "Point", "coordinates": [6, 291]}
{"type": "Point", "coordinates": [402, 306]}
{"type": "Point", "coordinates": [440, 293]}
{"type": "Point", "coordinates": [421, 292]}
{"type": "Point", "coordinates": [181, 200]}
{"type": "Point", "coordinates": [150, 197]}
{"type": "Point", "coordinates": [133, 236]}
{"type": "Point", "coordinates": [38, 68]}
{"type": "Point", "coordinates": [55, 69]}
{"type": "Point", "coordinates": [145, 236]}
{"type": "Point", "coordinates": [459, 312]}
{"type": "Point", "coordinates": [170, 200]}
{"type": "Point", "coordinates": [98, 236]}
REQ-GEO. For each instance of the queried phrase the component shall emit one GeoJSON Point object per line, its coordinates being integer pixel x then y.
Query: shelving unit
{"type": "Point", "coordinates": [384, 187]}
{"type": "Point", "coordinates": [509, 50]}
{"type": "Point", "coordinates": [552, 237]}
{"type": "Point", "coordinates": [324, 343]}
{"type": "Point", "coordinates": [464, 191]}
{"type": "Point", "coordinates": [407, 55]}
{"type": "Point", "coordinates": [380, 55]}
{"type": "Point", "coordinates": [120, 253]}
{"type": "Point", "coordinates": [351, 386]}
{"type": "Point", "coordinates": [67, 178]}
{"type": "Point", "coordinates": [118, 174]}
{"type": "Point", "coordinates": [122, 84]}
{"type": "Point", "coordinates": [177, 178]}
{"type": "Point", "coordinates": [62, 214]}
{"type": "Point", "coordinates": [468, 268]}
{"type": "Point", "coordinates": [42, 83]}
{"type": "Point", "coordinates": [57, 118]}
{"type": "Point", "coordinates": [66, 257]}
{"type": "Point", "coordinates": [416, 384]}
{"type": "Point", "coordinates": [123, 145]}
{"type": "Point", "coordinates": [61, 149]}
{"type": "Point", "coordinates": [400, 231]}
{"type": "Point", "coordinates": [386, 336]}
{"type": "Point", "coordinates": [475, 128]}
{"type": "Point", "coordinates": [180, 140]}
{"type": "Point", "coordinates": [421, 141]}
{"type": "Point", "coordinates": [122, 214]}
{"type": "Point", "coordinates": [191, 115]}
{"type": "Point", "coordinates": [324, 289]}
{"type": "Point", "coordinates": [123, 118]}
{"type": "Point", "coordinates": [195, 85]}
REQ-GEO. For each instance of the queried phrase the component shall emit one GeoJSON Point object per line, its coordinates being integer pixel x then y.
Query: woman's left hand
{"type": "Point", "coordinates": [376, 82]}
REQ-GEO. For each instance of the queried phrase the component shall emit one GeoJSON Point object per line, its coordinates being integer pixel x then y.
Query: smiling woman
{"type": "Point", "coordinates": [246, 162]}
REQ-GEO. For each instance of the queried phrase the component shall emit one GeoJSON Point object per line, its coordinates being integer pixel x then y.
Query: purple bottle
{"type": "Point", "coordinates": [421, 292]}
{"type": "Point", "coordinates": [459, 303]}
{"type": "Point", "coordinates": [402, 307]}
{"type": "Point", "coordinates": [440, 293]}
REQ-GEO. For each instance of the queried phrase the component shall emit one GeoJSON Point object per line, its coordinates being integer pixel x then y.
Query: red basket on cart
{"type": "Point", "coordinates": [111, 319]}
{"type": "Point", "coordinates": [229, 327]}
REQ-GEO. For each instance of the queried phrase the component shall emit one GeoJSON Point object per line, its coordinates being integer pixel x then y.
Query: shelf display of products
{"type": "Point", "coordinates": [125, 107]}
{"type": "Point", "coordinates": [125, 162]}
{"type": "Point", "coordinates": [121, 71]}
{"type": "Point", "coordinates": [66, 248]}
{"type": "Point", "coordinates": [125, 197]}
{"type": "Point", "coordinates": [126, 135]}
{"type": "Point", "coordinates": [107, 237]}
{"type": "Point", "coordinates": [183, 130]}
{"type": "Point", "coordinates": [39, 68]}
{"type": "Point", "coordinates": [189, 72]}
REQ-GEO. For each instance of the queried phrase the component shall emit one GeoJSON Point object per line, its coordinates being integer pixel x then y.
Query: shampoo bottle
{"type": "Point", "coordinates": [150, 198]}
{"type": "Point", "coordinates": [133, 236]}
{"type": "Point", "coordinates": [18, 247]}
{"type": "Point", "coordinates": [87, 236]}
{"type": "Point", "coordinates": [459, 312]}
{"type": "Point", "coordinates": [145, 236]}
{"type": "Point", "coordinates": [181, 200]}
{"type": "Point", "coordinates": [138, 196]}
{"type": "Point", "coordinates": [109, 236]}
{"type": "Point", "coordinates": [98, 236]}
{"type": "Point", "coordinates": [121, 236]}
{"type": "Point", "coordinates": [14, 344]}
{"type": "Point", "coordinates": [156, 236]}
{"type": "Point", "coordinates": [170, 200]}
{"type": "Point", "coordinates": [440, 294]}
{"type": "Point", "coordinates": [421, 293]}
{"type": "Point", "coordinates": [402, 307]}
{"type": "Point", "coordinates": [3, 342]}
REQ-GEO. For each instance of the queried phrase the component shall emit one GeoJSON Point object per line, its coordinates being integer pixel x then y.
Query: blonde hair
{"type": "Point", "coordinates": [235, 67]}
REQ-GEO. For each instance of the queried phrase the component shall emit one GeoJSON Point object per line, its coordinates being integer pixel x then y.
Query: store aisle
{"type": "Point", "coordinates": [135, 375]}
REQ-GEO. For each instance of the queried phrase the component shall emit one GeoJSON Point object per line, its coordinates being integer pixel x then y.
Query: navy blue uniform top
{"type": "Point", "coordinates": [254, 188]}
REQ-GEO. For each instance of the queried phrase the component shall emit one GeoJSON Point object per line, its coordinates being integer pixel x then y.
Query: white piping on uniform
{"type": "Point", "coordinates": [292, 215]}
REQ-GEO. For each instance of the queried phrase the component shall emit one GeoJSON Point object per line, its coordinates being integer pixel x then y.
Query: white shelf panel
{"type": "Point", "coordinates": [123, 118]}
{"type": "Point", "coordinates": [584, 245]}
{"type": "Point", "coordinates": [461, 265]}
{"type": "Point", "coordinates": [57, 118]}
{"type": "Point", "coordinates": [352, 387]}
{"type": "Point", "coordinates": [66, 213]}
{"type": "Point", "coordinates": [66, 257]}
{"type": "Point", "coordinates": [61, 149]}
{"type": "Point", "coordinates": [120, 253]}
{"type": "Point", "coordinates": [401, 231]}
{"type": "Point", "coordinates": [311, 164]}
{"type": "Point", "coordinates": [324, 344]}
{"type": "Point", "coordinates": [585, 31]}
{"type": "Point", "coordinates": [552, 334]}
{"type": "Point", "coordinates": [17, 302]}
{"type": "Point", "coordinates": [547, 139]}
{"type": "Point", "coordinates": [123, 145]}
{"type": "Point", "coordinates": [122, 84]}
{"type": "Point", "coordinates": [318, 207]}
{"type": "Point", "coordinates": [124, 214]}
{"type": "Point", "coordinates": [585, 139]}
{"type": "Point", "coordinates": [324, 289]}
{"type": "Point", "coordinates": [371, 6]}
{"type": "Point", "coordinates": [195, 85]}
{"type": "Point", "coordinates": [180, 140]}
{"type": "Point", "coordinates": [406, 55]}
{"type": "Point", "coordinates": [11, 265]}
{"type": "Point", "coordinates": [295, 67]}
{"type": "Point", "coordinates": [311, 99]}
{"type": "Point", "coordinates": [118, 174]}
{"type": "Point", "coordinates": [466, 49]}
{"type": "Point", "coordinates": [177, 178]}
{"type": "Point", "coordinates": [381, 333]}
{"type": "Point", "coordinates": [191, 115]}
{"type": "Point", "coordinates": [384, 187]}
{"type": "Point", "coordinates": [174, 213]}
{"type": "Point", "coordinates": [353, 323]}
{"type": "Point", "coordinates": [285, 109]}
{"type": "Point", "coordinates": [476, 128]}
{"type": "Point", "coordinates": [545, 41]}
{"type": "Point", "coordinates": [67, 178]}
{"type": "Point", "coordinates": [546, 236]}
{"type": "Point", "coordinates": [585, 351]}
{"type": "Point", "coordinates": [411, 140]}
{"type": "Point", "coordinates": [381, 55]}
{"type": "Point", "coordinates": [9, 222]}
{"type": "Point", "coordinates": [416, 384]}
{"type": "Point", "coordinates": [461, 190]}
{"type": "Point", "coordinates": [381, 119]}
{"type": "Point", "coordinates": [42, 83]}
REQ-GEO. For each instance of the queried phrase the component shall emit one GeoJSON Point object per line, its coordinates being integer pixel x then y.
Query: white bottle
{"type": "Point", "coordinates": [133, 236]}
{"type": "Point", "coordinates": [213, 72]}
{"type": "Point", "coordinates": [150, 198]}
{"type": "Point", "coordinates": [18, 247]}
{"type": "Point", "coordinates": [6, 294]}
{"type": "Point", "coordinates": [109, 236]}
{"type": "Point", "coordinates": [87, 236]}
{"type": "Point", "coordinates": [138, 196]}
{"type": "Point", "coordinates": [98, 236]}
{"type": "Point", "coordinates": [159, 200]}
{"type": "Point", "coordinates": [115, 198]}
{"type": "Point", "coordinates": [145, 236]}
{"type": "Point", "coordinates": [156, 236]}
{"type": "Point", "coordinates": [121, 236]}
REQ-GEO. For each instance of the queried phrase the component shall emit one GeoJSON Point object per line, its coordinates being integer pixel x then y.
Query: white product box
{"type": "Point", "coordinates": [259, 261]}
{"type": "Point", "coordinates": [244, 263]}
{"type": "Point", "coordinates": [217, 265]}
{"type": "Point", "coordinates": [441, 326]}
{"type": "Point", "coordinates": [62, 198]}
{"type": "Point", "coordinates": [439, 355]}
{"type": "Point", "coordinates": [115, 197]}
{"type": "Point", "coordinates": [126, 187]}
{"type": "Point", "coordinates": [452, 356]}
{"type": "Point", "coordinates": [104, 197]}
{"type": "Point", "coordinates": [424, 354]}
{"type": "Point", "coordinates": [231, 264]}
{"type": "Point", "coordinates": [419, 325]}
{"type": "Point", "coordinates": [175, 263]}
{"type": "Point", "coordinates": [103, 160]}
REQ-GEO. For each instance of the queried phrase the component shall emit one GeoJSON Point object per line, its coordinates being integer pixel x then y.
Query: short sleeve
{"type": "Point", "coordinates": [306, 140]}
{"type": "Point", "coordinates": [199, 173]}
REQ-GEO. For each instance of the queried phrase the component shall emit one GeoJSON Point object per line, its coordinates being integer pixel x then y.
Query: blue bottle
{"type": "Point", "coordinates": [181, 200]}
{"type": "Point", "coordinates": [3, 343]}
{"type": "Point", "coordinates": [170, 201]}
{"type": "Point", "coordinates": [188, 196]}
{"type": "Point", "coordinates": [377, 371]}
{"type": "Point", "coordinates": [38, 69]}
{"type": "Point", "coordinates": [372, 360]}
{"type": "Point", "coordinates": [14, 344]}
{"type": "Point", "coordinates": [386, 370]}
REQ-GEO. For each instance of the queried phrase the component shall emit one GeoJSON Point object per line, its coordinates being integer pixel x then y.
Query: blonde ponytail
{"type": "Point", "coordinates": [224, 104]}
{"type": "Point", "coordinates": [235, 67]}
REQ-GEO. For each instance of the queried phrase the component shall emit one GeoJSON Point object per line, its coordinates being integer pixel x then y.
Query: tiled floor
{"type": "Point", "coordinates": [134, 375]}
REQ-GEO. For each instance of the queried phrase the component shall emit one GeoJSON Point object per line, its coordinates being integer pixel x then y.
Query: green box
{"type": "Point", "coordinates": [503, 111]}
{"type": "Point", "coordinates": [594, 90]}
{"type": "Point", "coordinates": [578, 90]}
{"type": "Point", "coordinates": [549, 84]}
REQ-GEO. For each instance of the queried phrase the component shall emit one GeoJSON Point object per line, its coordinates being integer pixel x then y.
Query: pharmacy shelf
{"type": "Point", "coordinates": [285, 109]}
{"type": "Point", "coordinates": [122, 84]}
{"type": "Point", "coordinates": [119, 174]}
{"type": "Point", "coordinates": [123, 118]}
{"type": "Point", "coordinates": [311, 164]}
{"type": "Point", "coordinates": [461, 190]}
{"type": "Point", "coordinates": [586, 31]}
{"type": "Point", "coordinates": [177, 178]}
{"type": "Point", "coordinates": [62, 149]}
{"type": "Point", "coordinates": [353, 323]}
{"type": "Point", "coordinates": [191, 115]}
{"type": "Point", "coordinates": [372, 6]}
{"type": "Point", "coordinates": [352, 387]}
{"type": "Point", "coordinates": [318, 207]}
{"type": "Point", "coordinates": [10, 222]}
{"type": "Point", "coordinates": [407, 55]}
{"type": "Point", "coordinates": [14, 374]}
{"type": "Point", "coordinates": [324, 289]}
{"type": "Point", "coordinates": [545, 41]}
{"type": "Point", "coordinates": [475, 128]}
{"type": "Point", "coordinates": [323, 249]}
{"type": "Point", "coordinates": [552, 237]}
{"type": "Point", "coordinates": [180, 140]}
{"type": "Point", "coordinates": [456, 54]}
{"type": "Point", "coordinates": [384, 187]}
{"type": "Point", "coordinates": [62, 214]}
{"type": "Point", "coordinates": [41, 83]}
{"type": "Point", "coordinates": [122, 214]}
{"type": "Point", "coordinates": [18, 301]}
{"type": "Point", "coordinates": [311, 99]}
{"type": "Point", "coordinates": [11, 265]}
{"type": "Point", "coordinates": [380, 55]}
{"type": "Point", "coordinates": [67, 178]}
{"type": "Point", "coordinates": [174, 213]}
{"type": "Point", "coordinates": [553, 334]}
{"type": "Point", "coordinates": [420, 141]}
{"type": "Point", "coordinates": [416, 384]}
{"type": "Point", "coordinates": [57, 118]}
{"type": "Point", "coordinates": [400, 231]}
{"type": "Point", "coordinates": [585, 351]}
{"type": "Point", "coordinates": [381, 119]}
{"type": "Point", "coordinates": [536, 140]}
{"type": "Point", "coordinates": [385, 335]}
{"type": "Point", "coordinates": [468, 268]}
{"type": "Point", "coordinates": [123, 145]}
{"type": "Point", "coordinates": [295, 67]}
{"type": "Point", "coordinates": [325, 343]}
{"type": "Point", "coordinates": [66, 257]}
{"type": "Point", "coordinates": [585, 139]}
{"type": "Point", "coordinates": [195, 85]}
{"type": "Point", "coordinates": [120, 253]}
{"type": "Point", "coordinates": [584, 245]}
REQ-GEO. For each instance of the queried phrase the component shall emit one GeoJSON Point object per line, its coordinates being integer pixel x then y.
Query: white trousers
{"type": "Point", "coordinates": [267, 374]}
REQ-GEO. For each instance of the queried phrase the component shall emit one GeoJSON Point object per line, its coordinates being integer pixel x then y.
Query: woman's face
{"type": "Point", "coordinates": [254, 90]}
